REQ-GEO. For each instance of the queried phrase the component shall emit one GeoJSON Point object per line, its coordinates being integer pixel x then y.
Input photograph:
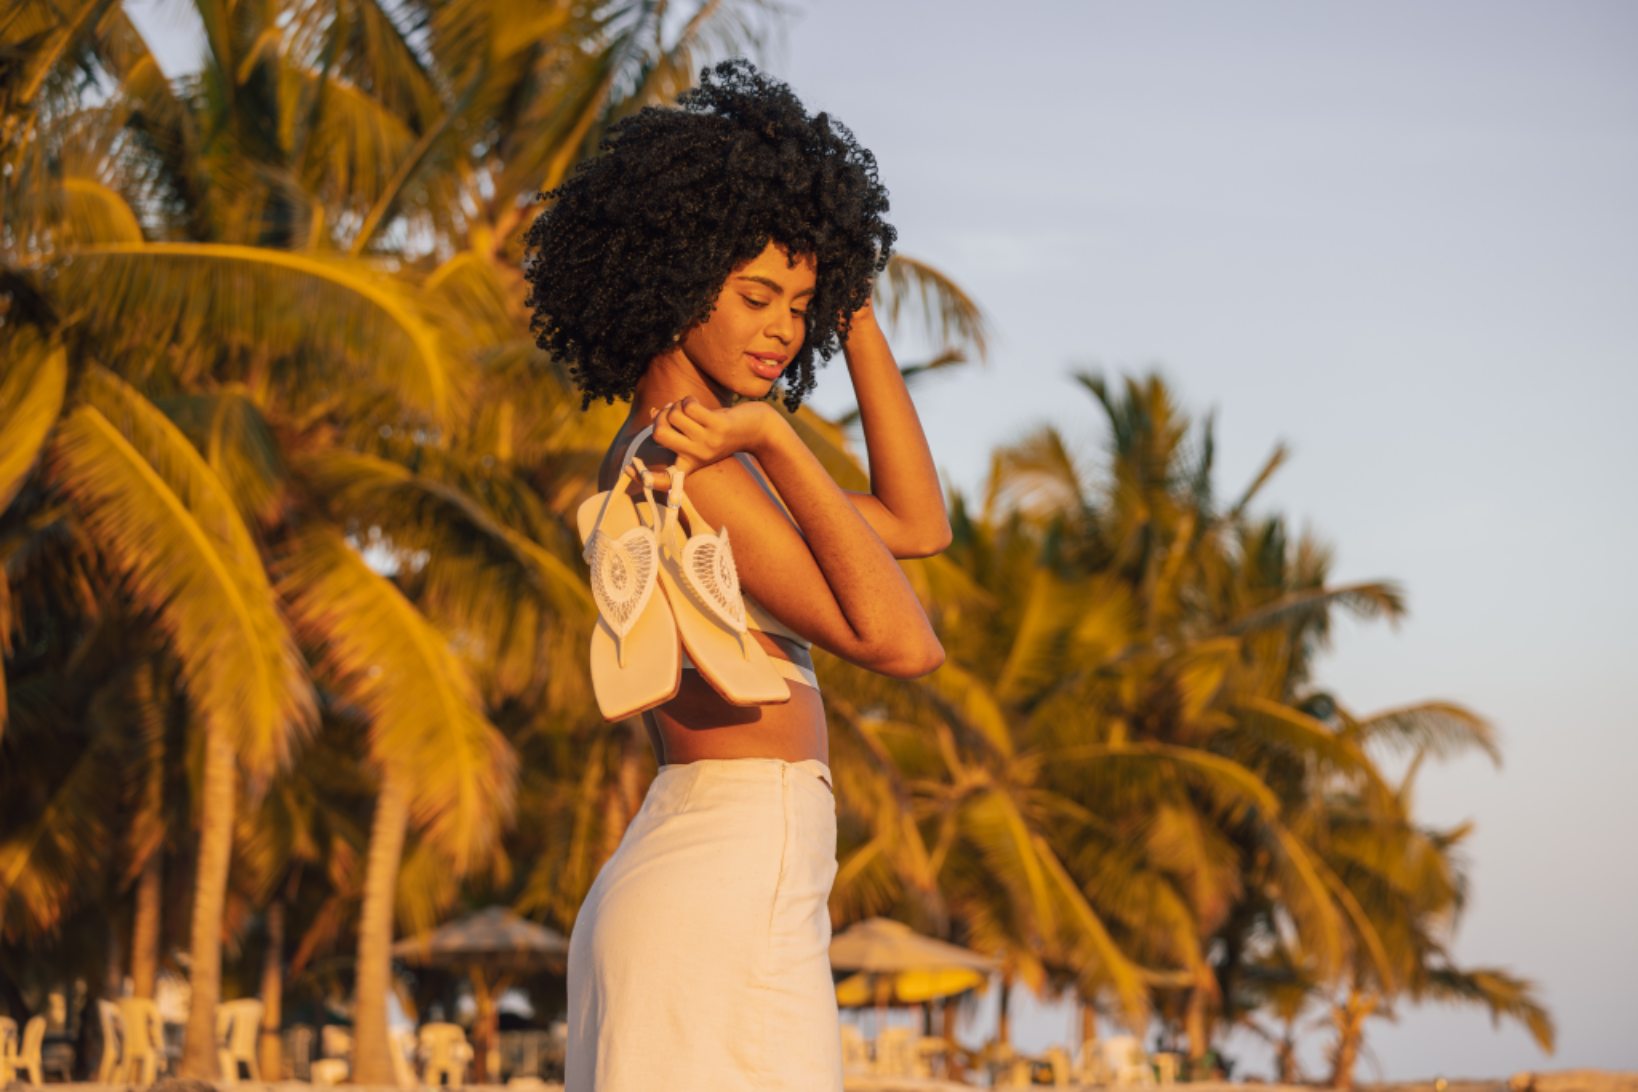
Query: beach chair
{"type": "Point", "coordinates": [1090, 1070]}
{"type": "Point", "coordinates": [855, 1054]}
{"type": "Point", "coordinates": [112, 1066]}
{"type": "Point", "coordinates": [403, 1054]}
{"type": "Point", "coordinates": [238, 1027]}
{"type": "Point", "coordinates": [895, 1052]}
{"type": "Point", "coordinates": [1057, 1059]}
{"type": "Point", "coordinates": [144, 1040]}
{"type": "Point", "coordinates": [8, 1050]}
{"type": "Point", "coordinates": [336, 1044]}
{"type": "Point", "coordinates": [1124, 1062]}
{"type": "Point", "coordinates": [1166, 1067]}
{"type": "Point", "coordinates": [930, 1049]}
{"type": "Point", "coordinates": [29, 1057]}
{"type": "Point", "coordinates": [328, 1072]}
{"type": "Point", "coordinates": [1008, 1068]}
{"type": "Point", "coordinates": [445, 1054]}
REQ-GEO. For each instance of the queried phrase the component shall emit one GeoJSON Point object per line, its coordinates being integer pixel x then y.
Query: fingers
{"type": "Point", "coordinates": [690, 452]}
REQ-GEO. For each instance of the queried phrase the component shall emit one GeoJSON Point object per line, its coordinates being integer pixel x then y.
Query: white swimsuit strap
{"type": "Point", "coordinates": [631, 453]}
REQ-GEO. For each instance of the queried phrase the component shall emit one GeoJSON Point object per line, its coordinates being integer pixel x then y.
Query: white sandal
{"type": "Point", "coordinates": [701, 583]}
{"type": "Point", "coordinates": [636, 662]}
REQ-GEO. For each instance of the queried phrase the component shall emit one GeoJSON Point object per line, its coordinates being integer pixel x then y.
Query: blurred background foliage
{"type": "Point", "coordinates": [293, 620]}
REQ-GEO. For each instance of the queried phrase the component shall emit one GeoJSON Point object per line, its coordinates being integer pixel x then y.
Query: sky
{"type": "Point", "coordinates": [1401, 238]}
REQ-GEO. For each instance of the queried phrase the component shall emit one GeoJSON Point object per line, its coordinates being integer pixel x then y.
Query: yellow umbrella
{"type": "Point", "coordinates": [898, 965]}
{"type": "Point", "coordinates": [906, 987]}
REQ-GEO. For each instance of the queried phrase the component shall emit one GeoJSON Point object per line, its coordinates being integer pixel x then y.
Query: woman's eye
{"type": "Point", "coordinates": [755, 304]}
{"type": "Point", "coordinates": [803, 315]}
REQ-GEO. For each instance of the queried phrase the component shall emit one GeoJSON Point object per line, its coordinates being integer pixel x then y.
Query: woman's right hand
{"type": "Point", "coordinates": [702, 436]}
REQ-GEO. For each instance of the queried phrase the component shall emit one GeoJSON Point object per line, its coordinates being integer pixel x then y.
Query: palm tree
{"type": "Point", "coordinates": [95, 197]}
{"type": "Point", "coordinates": [272, 309]}
{"type": "Point", "coordinates": [1122, 766]}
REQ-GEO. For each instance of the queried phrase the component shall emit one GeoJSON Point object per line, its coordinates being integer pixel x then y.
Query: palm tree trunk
{"type": "Point", "coordinates": [209, 896]}
{"type": "Point", "coordinates": [372, 1064]}
{"type": "Point", "coordinates": [1349, 1019]}
{"type": "Point", "coordinates": [145, 929]}
{"type": "Point", "coordinates": [114, 973]}
{"type": "Point", "coordinates": [271, 1056]}
{"type": "Point", "coordinates": [1003, 1032]}
{"type": "Point", "coordinates": [1194, 1026]}
{"type": "Point", "coordinates": [1089, 1023]}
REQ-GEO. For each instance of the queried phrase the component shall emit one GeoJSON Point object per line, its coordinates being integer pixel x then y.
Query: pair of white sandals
{"type": "Point", "coordinates": [637, 647]}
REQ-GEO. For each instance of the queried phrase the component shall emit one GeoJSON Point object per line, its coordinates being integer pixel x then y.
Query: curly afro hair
{"type": "Point", "coordinates": [639, 240]}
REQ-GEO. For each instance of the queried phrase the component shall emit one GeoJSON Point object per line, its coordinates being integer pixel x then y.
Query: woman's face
{"type": "Point", "coordinates": [758, 325]}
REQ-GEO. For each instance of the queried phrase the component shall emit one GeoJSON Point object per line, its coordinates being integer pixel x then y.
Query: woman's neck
{"type": "Point", "coordinates": [671, 377]}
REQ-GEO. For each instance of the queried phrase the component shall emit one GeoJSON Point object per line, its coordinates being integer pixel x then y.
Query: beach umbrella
{"type": "Point", "coordinates": [882, 946]}
{"type": "Point", "coordinates": [494, 947]}
{"type": "Point", "coordinates": [898, 965]}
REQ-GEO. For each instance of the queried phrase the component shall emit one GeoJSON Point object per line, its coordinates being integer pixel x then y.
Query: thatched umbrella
{"type": "Point", "coordinates": [494, 947]}
{"type": "Point", "coordinates": [898, 965]}
{"type": "Point", "coordinates": [882, 946]}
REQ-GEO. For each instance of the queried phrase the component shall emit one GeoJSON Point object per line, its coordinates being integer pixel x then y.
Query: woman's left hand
{"type": "Point", "coordinates": [701, 435]}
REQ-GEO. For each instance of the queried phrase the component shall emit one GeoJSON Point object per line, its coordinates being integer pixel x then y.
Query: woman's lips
{"type": "Point", "coordinates": [767, 367]}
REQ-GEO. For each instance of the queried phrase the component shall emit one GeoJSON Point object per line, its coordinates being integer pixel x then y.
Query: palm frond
{"type": "Point", "coordinates": [1440, 729]}
{"type": "Point", "coordinates": [1276, 459]}
{"type": "Point", "coordinates": [165, 519]}
{"type": "Point", "coordinates": [1500, 991]}
{"type": "Point", "coordinates": [91, 214]}
{"type": "Point", "coordinates": [238, 443]}
{"type": "Point", "coordinates": [948, 314]}
{"type": "Point", "coordinates": [1041, 638]}
{"type": "Point", "coordinates": [419, 508]}
{"type": "Point", "coordinates": [32, 383]}
{"type": "Point", "coordinates": [1280, 724]}
{"type": "Point", "coordinates": [1038, 475]}
{"type": "Point", "coordinates": [970, 703]}
{"type": "Point", "coordinates": [423, 709]}
{"type": "Point", "coordinates": [44, 863]}
{"type": "Point", "coordinates": [1375, 599]}
{"type": "Point", "coordinates": [275, 303]}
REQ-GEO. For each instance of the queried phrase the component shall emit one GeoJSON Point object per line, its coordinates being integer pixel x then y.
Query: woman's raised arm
{"type": "Point", "coordinates": [830, 577]}
{"type": "Point", "coordinates": [905, 505]}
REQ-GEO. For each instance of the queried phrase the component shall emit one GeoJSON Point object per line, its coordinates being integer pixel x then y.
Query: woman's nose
{"type": "Point", "coordinates": [782, 326]}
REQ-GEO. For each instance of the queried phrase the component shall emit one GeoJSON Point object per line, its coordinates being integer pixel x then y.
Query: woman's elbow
{"type": "Point", "coordinates": [923, 658]}
{"type": "Point", "coordinates": [932, 540]}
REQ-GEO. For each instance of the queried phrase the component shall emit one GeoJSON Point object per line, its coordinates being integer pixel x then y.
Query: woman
{"type": "Point", "coordinates": [707, 255]}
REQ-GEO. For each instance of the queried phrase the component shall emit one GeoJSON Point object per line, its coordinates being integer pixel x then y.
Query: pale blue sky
{"type": "Point", "coordinates": [1402, 237]}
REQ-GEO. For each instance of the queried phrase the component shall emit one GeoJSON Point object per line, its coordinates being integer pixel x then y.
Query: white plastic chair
{"type": "Point", "coordinates": [144, 1039]}
{"type": "Point", "coordinates": [1166, 1067]}
{"type": "Point", "coordinates": [336, 1044]}
{"type": "Point", "coordinates": [445, 1054]}
{"type": "Point", "coordinates": [402, 1048]}
{"type": "Point", "coordinates": [328, 1072]}
{"type": "Point", "coordinates": [1008, 1068]}
{"type": "Point", "coordinates": [895, 1052]}
{"type": "Point", "coordinates": [1058, 1059]}
{"type": "Point", "coordinates": [29, 1057]}
{"type": "Point", "coordinates": [1090, 1071]}
{"type": "Point", "coordinates": [855, 1054]}
{"type": "Point", "coordinates": [112, 1067]}
{"type": "Point", "coordinates": [8, 1050]}
{"type": "Point", "coordinates": [929, 1047]}
{"type": "Point", "coordinates": [238, 1026]}
{"type": "Point", "coordinates": [1125, 1063]}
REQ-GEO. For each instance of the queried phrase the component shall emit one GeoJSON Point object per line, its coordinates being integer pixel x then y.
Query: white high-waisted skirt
{"type": "Point", "coordinates": [701, 957]}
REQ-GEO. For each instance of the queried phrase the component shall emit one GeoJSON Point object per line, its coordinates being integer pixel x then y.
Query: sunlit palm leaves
{"type": "Point", "coordinates": [155, 506]}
